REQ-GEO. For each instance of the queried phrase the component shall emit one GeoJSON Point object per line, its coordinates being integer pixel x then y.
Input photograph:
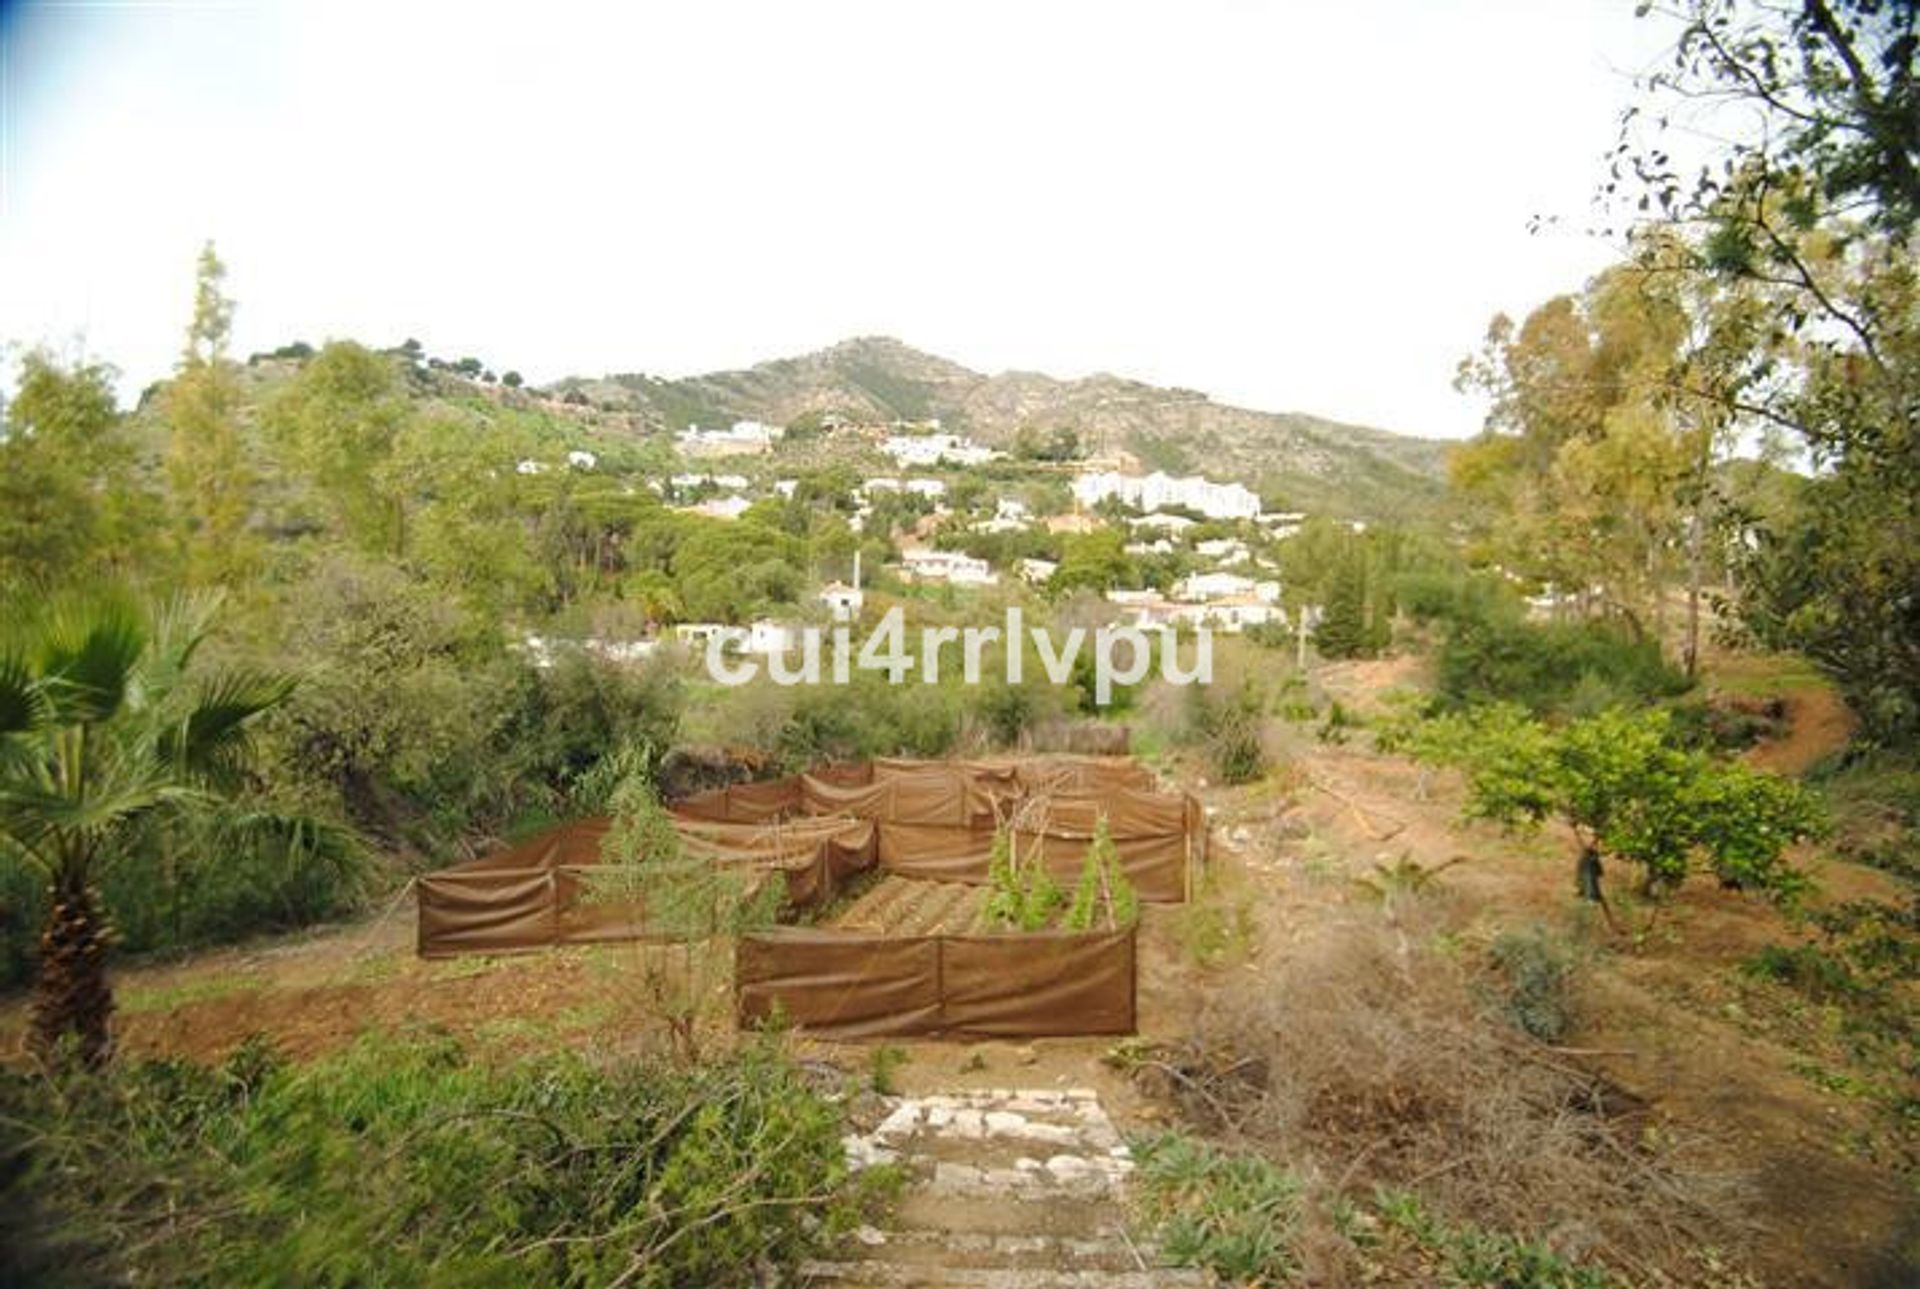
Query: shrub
{"type": "Point", "coordinates": [1804, 967]}
{"type": "Point", "coordinates": [1363, 1062]}
{"type": "Point", "coordinates": [408, 1162]}
{"type": "Point", "coordinates": [1538, 969]}
{"type": "Point", "coordinates": [1228, 729]}
{"type": "Point", "coordinates": [1575, 668]}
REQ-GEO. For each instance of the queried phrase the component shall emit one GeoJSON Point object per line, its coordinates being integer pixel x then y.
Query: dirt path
{"type": "Point", "coordinates": [1818, 725]}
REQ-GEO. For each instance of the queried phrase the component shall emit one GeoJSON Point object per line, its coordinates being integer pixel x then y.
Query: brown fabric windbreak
{"type": "Point", "coordinates": [937, 819]}
{"type": "Point", "coordinates": [847, 986]}
{"type": "Point", "coordinates": [528, 896]}
{"type": "Point", "coordinates": [929, 819]}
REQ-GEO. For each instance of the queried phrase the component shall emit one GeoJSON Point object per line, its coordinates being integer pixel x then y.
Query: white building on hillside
{"type": "Point", "coordinates": [1150, 492]}
{"type": "Point", "coordinates": [1206, 588]}
{"type": "Point", "coordinates": [743, 438]}
{"type": "Point", "coordinates": [720, 507]}
{"type": "Point", "coordinates": [956, 568]}
{"type": "Point", "coordinates": [1038, 571]}
{"type": "Point", "coordinates": [843, 602]}
{"type": "Point", "coordinates": [921, 450]}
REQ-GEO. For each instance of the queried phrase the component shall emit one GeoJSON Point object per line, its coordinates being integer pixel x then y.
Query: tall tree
{"type": "Point", "coordinates": [1806, 221]}
{"type": "Point", "coordinates": [1583, 459]}
{"type": "Point", "coordinates": [211, 480]}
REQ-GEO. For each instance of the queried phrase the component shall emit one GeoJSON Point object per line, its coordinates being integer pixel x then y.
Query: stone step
{"type": "Point", "coordinates": [1103, 1251]}
{"type": "Point", "coordinates": [1087, 1217]}
{"type": "Point", "coordinates": [823, 1273]}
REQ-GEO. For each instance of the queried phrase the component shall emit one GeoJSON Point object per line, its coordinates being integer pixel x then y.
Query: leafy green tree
{"type": "Point", "coordinates": [339, 420]}
{"type": "Point", "coordinates": [1580, 472]}
{"type": "Point", "coordinates": [103, 724]}
{"type": "Point", "coordinates": [1095, 561]}
{"type": "Point", "coordinates": [68, 504]}
{"type": "Point", "coordinates": [1629, 790]}
{"type": "Point", "coordinates": [1022, 894]}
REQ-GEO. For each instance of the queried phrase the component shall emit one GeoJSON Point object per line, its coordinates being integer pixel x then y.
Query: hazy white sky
{"type": "Point", "coordinates": [1289, 206]}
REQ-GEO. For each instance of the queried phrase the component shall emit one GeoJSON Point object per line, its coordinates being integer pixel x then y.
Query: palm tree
{"type": "Point", "coordinates": [103, 730]}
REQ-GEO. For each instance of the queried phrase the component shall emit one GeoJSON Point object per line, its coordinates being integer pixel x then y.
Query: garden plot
{"type": "Point", "coordinates": [905, 906]}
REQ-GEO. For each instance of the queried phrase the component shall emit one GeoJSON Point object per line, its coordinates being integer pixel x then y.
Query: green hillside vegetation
{"type": "Point", "coordinates": [1301, 462]}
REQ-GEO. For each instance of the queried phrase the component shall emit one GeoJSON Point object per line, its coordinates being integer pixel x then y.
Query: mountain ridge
{"type": "Point", "coordinates": [1309, 462]}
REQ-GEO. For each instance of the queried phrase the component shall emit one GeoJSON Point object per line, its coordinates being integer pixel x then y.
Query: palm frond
{"type": "Point", "coordinates": [180, 625]}
{"type": "Point", "coordinates": [22, 706]}
{"type": "Point", "coordinates": [210, 740]}
{"type": "Point", "coordinates": [89, 649]}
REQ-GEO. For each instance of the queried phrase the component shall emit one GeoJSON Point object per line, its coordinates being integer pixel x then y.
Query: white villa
{"type": "Point", "coordinates": [1152, 490]}
{"type": "Point", "coordinates": [932, 449]}
{"type": "Point", "coordinates": [956, 568]}
{"type": "Point", "coordinates": [1282, 523]}
{"type": "Point", "coordinates": [1235, 613]}
{"type": "Point", "coordinates": [743, 438]}
{"type": "Point", "coordinates": [843, 602]}
{"type": "Point", "coordinates": [1208, 588]}
{"type": "Point", "coordinates": [720, 507]}
{"type": "Point", "coordinates": [1038, 571]}
{"type": "Point", "coordinates": [543, 650]}
{"type": "Point", "coordinates": [762, 636]}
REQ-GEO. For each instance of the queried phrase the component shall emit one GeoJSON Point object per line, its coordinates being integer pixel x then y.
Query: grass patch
{"type": "Point", "coordinates": [139, 1001]}
{"type": "Point", "coordinates": [1765, 675]}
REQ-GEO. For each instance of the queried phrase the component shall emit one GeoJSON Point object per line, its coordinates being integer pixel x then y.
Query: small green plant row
{"type": "Point", "coordinates": [1022, 894]}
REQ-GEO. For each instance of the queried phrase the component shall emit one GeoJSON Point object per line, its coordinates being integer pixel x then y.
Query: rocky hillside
{"type": "Point", "coordinates": [1304, 461]}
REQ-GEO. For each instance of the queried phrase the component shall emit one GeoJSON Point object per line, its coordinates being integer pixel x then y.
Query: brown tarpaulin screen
{"type": "Point", "coordinates": [927, 819]}
{"type": "Point", "coordinates": [843, 985]}
{"type": "Point", "coordinates": [527, 896]}
{"type": "Point", "coordinates": [936, 819]}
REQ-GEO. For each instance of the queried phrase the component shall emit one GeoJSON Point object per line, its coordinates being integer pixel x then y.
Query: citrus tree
{"type": "Point", "coordinates": [1628, 790]}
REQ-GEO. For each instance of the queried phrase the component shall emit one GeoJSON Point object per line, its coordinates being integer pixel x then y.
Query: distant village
{"type": "Point", "coordinates": [1231, 589]}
